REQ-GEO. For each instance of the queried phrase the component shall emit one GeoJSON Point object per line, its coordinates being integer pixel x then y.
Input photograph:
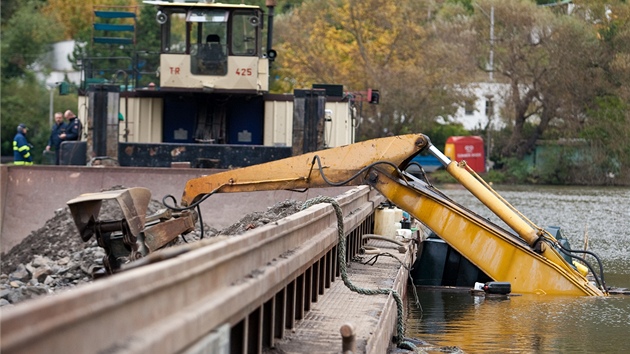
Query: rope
{"type": "Point", "coordinates": [341, 255]}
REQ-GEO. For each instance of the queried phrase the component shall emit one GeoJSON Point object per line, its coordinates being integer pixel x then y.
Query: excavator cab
{"type": "Point", "coordinates": [210, 46]}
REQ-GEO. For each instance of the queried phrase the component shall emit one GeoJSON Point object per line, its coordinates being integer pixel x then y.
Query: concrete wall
{"type": "Point", "coordinates": [31, 194]}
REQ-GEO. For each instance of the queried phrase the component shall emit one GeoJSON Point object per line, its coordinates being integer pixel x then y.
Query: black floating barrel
{"type": "Point", "coordinates": [497, 287]}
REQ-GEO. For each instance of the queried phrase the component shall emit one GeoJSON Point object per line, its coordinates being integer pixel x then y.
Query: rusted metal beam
{"type": "Point", "coordinates": [167, 306]}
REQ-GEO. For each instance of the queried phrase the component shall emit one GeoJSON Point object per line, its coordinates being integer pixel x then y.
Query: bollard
{"type": "Point", "coordinates": [348, 339]}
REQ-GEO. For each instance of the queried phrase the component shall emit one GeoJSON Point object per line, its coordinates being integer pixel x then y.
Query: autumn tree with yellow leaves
{"type": "Point", "coordinates": [384, 45]}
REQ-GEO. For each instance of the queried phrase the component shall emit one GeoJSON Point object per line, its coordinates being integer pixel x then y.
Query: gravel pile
{"type": "Point", "coordinates": [53, 258]}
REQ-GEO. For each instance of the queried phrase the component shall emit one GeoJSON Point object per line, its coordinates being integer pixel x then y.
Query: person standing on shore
{"type": "Point", "coordinates": [73, 128]}
{"type": "Point", "coordinates": [55, 135]}
{"type": "Point", "coordinates": [21, 147]}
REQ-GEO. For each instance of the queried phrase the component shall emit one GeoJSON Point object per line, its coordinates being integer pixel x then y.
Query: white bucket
{"type": "Point", "coordinates": [404, 233]}
{"type": "Point", "coordinates": [385, 222]}
{"type": "Point", "coordinates": [399, 214]}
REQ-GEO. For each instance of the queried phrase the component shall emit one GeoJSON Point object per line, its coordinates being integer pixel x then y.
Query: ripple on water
{"type": "Point", "coordinates": [522, 324]}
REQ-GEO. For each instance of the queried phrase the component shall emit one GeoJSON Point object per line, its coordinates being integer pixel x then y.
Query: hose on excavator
{"type": "Point", "coordinates": [598, 279]}
{"type": "Point", "coordinates": [193, 205]}
{"type": "Point", "coordinates": [547, 237]}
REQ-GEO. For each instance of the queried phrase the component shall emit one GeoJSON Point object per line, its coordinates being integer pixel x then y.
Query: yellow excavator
{"type": "Point", "coordinates": [529, 258]}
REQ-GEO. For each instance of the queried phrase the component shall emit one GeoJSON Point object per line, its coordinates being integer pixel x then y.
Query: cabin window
{"type": "Point", "coordinates": [245, 29]}
{"type": "Point", "coordinates": [174, 34]}
{"type": "Point", "coordinates": [208, 38]}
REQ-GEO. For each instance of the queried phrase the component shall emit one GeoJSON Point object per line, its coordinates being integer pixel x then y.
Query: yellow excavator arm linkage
{"type": "Point", "coordinates": [498, 253]}
{"type": "Point", "coordinates": [526, 261]}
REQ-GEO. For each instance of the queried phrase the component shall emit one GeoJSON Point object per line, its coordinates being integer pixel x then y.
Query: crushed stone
{"type": "Point", "coordinates": [53, 258]}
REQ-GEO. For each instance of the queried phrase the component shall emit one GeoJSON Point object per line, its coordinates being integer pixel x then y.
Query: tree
{"type": "Point", "coordinates": [607, 122]}
{"type": "Point", "coordinates": [538, 53]}
{"type": "Point", "coordinates": [390, 49]}
{"type": "Point", "coordinates": [75, 17]}
{"type": "Point", "coordinates": [26, 36]}
{"type": "Point", "coordinates": [148, 45]}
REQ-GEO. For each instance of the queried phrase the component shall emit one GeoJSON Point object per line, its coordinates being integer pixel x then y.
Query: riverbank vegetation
{"type": "Point", "coordinates": [564, 66]}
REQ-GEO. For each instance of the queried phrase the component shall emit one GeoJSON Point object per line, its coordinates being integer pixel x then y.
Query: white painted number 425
{"type": "Point", "coordinates": [244, 72]}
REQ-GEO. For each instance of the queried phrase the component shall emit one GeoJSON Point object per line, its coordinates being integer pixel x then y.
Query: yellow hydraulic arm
{"type": "Point", "coordinates": [338, 165]}
{"type": "Point", "coordinates": [531, 266]}
{"type": "Point", "coordinates": [526, 259]}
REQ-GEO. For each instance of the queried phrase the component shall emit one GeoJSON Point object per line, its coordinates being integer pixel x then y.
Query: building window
{"type": "Point", "coordinates": [469, 108]}
{"type": "Point", "coordinates": [489, 108]}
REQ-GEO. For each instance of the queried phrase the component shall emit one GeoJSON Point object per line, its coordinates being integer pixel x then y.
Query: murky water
{"type": "Point", "coordinates": [533, 323]}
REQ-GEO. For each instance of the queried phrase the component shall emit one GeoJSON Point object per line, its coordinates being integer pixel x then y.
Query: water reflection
{"type": "Point", "coordinates": [535, 323]}
{"type": "Point", "coordinates": [522, 324]}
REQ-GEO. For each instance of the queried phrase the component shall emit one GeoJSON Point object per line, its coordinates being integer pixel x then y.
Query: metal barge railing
{"type": "Point", "coordinates": [252, 288]}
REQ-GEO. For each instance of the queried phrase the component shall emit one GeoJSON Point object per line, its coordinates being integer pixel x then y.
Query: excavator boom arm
{"type": "Point", "coordinates": [500, 254]}
{"type": "Point", "coordinates": [377, 162]}
{"type": "Point", "coordinates": [338, 165]}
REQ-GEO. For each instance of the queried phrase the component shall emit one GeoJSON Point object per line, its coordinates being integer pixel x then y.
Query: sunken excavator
{"type": "Point", "coordinates": [528, 257]}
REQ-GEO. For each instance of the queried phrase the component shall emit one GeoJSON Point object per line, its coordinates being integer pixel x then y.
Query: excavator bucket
{"type": "Point", "coordinates": [121, 238]}
{"type": "Point", "coordinates": [133, 203]}
{"type": "Point", "coordinates": [127, 234]}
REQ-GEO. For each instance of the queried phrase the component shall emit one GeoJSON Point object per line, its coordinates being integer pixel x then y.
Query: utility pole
{"type": "Point", "coordinates": [491, 60]}
{"type": "Point", "coordinates": [490, 97]}
{"type": "Point", "coordinates": [51, 87]}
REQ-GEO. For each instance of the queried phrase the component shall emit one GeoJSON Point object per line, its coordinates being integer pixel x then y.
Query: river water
{"type": "Point", "coordinates": [542, 323]}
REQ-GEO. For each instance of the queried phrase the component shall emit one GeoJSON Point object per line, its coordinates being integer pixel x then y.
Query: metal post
{"type": "Point", "coordinates": [270, 5]}
{"type": "Point", "coordinates": [51, 101]}
{"type": "Point", "coordinates": [50, 120]}
{"type": "Point", "coordinates": [491, 44]}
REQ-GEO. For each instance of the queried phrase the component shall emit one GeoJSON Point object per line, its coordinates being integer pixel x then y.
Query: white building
{"type": "Point", "coordinates": [61, 68]}
{"type": "Point", "coordinates": [485, 110]}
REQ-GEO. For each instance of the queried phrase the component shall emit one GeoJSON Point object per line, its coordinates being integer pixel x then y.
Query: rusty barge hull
{"type": "Point", "coordinates": [273, 289]}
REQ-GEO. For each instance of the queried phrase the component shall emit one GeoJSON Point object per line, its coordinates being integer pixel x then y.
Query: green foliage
{"type": "Point", "coordinates": [609, 124]}
{"type": "Point", "coordinates": [555, 166]}
{"type": "Point", "coordinates": [16, 110]}
{"type": "Point", "coordinates": [148, 38]}
{"type": "Point", "coordinates": [466, 4]}
{"type": "Point", "coordinates": [573, 162]}
{"type": "Point", "coordinates": [25, 37]}
{"type": "Point", "coordinates": [517, 170]}
{"type": "Point", "coordinates": [441, 177]}
{"type": "Point", "coordinates": [438, 133]}
{"type": "Point", "coordinates": [495, 176]}
{"type": "Point", "coordinates": [8, 8]}
{"type": "Point", "coordinates": [27, 101]}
